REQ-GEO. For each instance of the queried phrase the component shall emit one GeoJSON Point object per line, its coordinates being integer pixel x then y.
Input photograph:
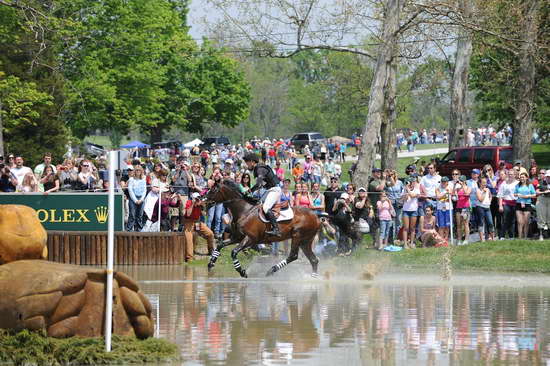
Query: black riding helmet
{"type": "Point", "coordinates": [251, 157]}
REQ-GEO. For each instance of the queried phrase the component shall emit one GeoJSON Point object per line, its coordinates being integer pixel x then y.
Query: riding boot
{"type": "Point", "coordinates": [274, 225]}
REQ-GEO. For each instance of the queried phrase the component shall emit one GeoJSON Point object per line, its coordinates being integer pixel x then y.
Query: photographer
{"type": "Point", "coordinates": [8, 182]}
{"type": "Point", "coordinates": [326, 246]}
{"type": "Point", "coordinates": [192, 223]}
{"type": "Point", "coordinates": [395, 189]}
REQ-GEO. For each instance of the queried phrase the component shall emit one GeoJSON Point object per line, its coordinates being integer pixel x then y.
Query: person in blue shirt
{"type": "Point", "coordinates": [524, 193]}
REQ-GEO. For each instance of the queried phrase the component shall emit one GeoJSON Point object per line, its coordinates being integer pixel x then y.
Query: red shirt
{"type": "Point", "coordinates": [195, 214]}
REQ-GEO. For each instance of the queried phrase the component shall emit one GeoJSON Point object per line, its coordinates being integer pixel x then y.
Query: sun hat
{"type": "Point", "coordinates": [361, 189]}
{"type": "Point", "coordinates": [344, 196]}
{"type": "Point", "coordinates": [476, 171]}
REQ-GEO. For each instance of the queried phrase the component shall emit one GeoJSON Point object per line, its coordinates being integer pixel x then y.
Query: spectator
{"type": "Point", "coordinates": [395, 189]}
{"type": "Point", "coordinates": [430, 182]}
{"type": "Point", "coordinates": [302, 198]}
{"type": "Point", "coordinates": [343, 219]}
{"type": "Point", "coordinates": [376, 185]}
{"type": "Point", "coordinates": [543, 205]}
{"type": "Point", "coordinates": [443, 208]}
{"type": "Point", "coordinates": [507, 204]}
{"type": "Point", "coordinates": [385, 215]}
{"type": "Point", "coordinates": [216, 211]}
{"type": "Point", "coordinates": [181, 180]}
{"type": "Point", "coordinates": [331, 195]}
{"type": "Point", "coordinates": [483, 208]}
{"type": "Point", "coordinates": [193, 210]}
{"type": "Point", "coordinates": [316, 170]}
{"type": "Point", "coordinates": [279, 171]}
{"type": "Point", "coordinates": [428, 230]}
{"type": "Point", "coordinates": [317, 199]}
{"type": "Point", "coordinates": [410, 212]}
{"type": "Point", "coordinates": [11, 161]}
{"type": "Point", "coordinates": [49, 180]}
{"type": "Point", "coordinates": [350, 189]}
{"type": "Point", "coordinates": [8, 182]}
{"type": "Point", "coordinates": [137, 188]}
{"type": "Point", "coordinates": [308, 169]}
{"type": "Point", "coordinates": [297, 172]}
{"type": "Point", "coordinates": [326, 247]}
{"type": "Point", "coordinates": [329, 169]}
{"type": "Point", "coordinates": [198, 182]}
{"type": "Point", "coordinates": [86, 179]}
{"type": "Point", "coordinates": [39, 169]}
{"type": "Point", "coordinates": [524, 193]}
{"type": "Point", "coordinates": [462, 192]}
{"type": "Point", "coordinates": [29, 184]}
{"type": "Point", "coordinates": [245, 182]}
{"type": "Point", "coordinates": [68, 175]}
{"type": "Point", "coordinates": [473, 184]}
{"type": "Point", "coordinates": [20, 171]}
{"type": "Point", "coordinates": [363, 211]}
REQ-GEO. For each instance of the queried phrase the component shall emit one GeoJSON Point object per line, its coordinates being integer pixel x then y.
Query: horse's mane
{"type": "Point", "coordinates": [232, 185]}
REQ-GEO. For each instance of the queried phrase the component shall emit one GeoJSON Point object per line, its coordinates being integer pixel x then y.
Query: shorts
{"type": "Point", "coordinates": [174, 212]}
{"type": "Point", "coordinates": [465, 212]}
{"type": "Point", "coordinates": [443, 218]}
{"type": "Point", "coordinates": [410, 213]}
{"type": "Point", "coordinates": [526, 208]}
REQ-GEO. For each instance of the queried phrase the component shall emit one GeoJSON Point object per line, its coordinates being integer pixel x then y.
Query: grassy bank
{"type": "Point", "coordinates": [34, 348]}
{"type": "Point", "coordinates": [498, 256]}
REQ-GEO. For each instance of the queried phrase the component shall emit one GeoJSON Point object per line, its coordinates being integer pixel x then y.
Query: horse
{"type": "Point", "coordinates": [250, 229]}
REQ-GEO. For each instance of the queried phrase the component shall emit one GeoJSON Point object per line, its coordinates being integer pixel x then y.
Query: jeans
{"type": "Point", "coordinates": [135, 216]}
{"type": "Point", "coordinates": [396, 223]}
{"type": "Point", "coordinates": [485, 219]}
{"type": "Point", "coordinates": [509, 218]}
{"type": "Point", "coordinates": [214, 221]}
{"type": "Point", "coordinates": [385, 226]}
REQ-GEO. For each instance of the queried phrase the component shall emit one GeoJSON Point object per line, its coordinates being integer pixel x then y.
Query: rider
{"type": "Point", "coordinates": [266, 178]}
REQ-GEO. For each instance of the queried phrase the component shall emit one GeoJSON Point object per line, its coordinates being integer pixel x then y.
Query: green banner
{"type": "Point", "coordinates": [69, 211]}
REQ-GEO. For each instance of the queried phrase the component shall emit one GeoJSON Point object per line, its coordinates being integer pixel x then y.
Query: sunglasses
{"type": "Point", "coordinates": [85, 166]}
{"type": "Point", "coordinates": [455, 174]}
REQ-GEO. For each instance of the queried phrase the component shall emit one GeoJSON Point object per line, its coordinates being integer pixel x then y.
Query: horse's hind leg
{"type": "Point", "coordinates": [236, 264]}
{"type": "Point", "coordinates": [306, 246]}
{"type": "Point", "coordinates": [292, 256]}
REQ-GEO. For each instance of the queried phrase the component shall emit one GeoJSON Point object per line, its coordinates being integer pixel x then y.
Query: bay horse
{"type": "Point", "coordinates": [250, 230]}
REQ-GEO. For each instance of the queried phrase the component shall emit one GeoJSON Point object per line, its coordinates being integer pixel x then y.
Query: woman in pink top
{"type": "Point", "coordinates": [385, 213]}
{"type": "Point", "coordinates": [462, 192]}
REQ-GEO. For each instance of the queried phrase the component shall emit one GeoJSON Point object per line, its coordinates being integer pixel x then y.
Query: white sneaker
{"type": "Point", "coordinates": [459, 242]}
{"type": "Point", "coordinates": [501, 239]}
{"type": "Point", "coordinates": [541, 238]}
{"type": "Point", "coordinates": [465, 242]}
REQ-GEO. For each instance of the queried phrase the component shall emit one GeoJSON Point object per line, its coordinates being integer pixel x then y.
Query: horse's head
{"type": "Point", "coordinates": [223, 191]}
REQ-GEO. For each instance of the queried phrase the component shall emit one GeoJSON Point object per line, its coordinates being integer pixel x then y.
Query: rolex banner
{"type": "Point", "coordinates": [69, 211]}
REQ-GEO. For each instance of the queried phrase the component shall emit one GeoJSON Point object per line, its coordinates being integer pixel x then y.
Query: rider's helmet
{"type": "Point", "coordinates": [251, 157]}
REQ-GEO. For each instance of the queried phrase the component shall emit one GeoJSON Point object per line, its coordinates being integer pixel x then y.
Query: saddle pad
{"type": "Point", "coordinates": [285, 215]}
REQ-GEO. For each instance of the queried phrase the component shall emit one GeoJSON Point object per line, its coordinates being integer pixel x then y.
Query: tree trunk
{"type": "Point", "coordinates": [155, 134]}
{"type": "Point", "coordinates": [523, 121]}
{"type": "Point", "coordinates": [377, 102]}
{"type": "Point", "coordinates": [2, 133]}
{"type": "Point", "coordinates": [388, 142]}
{"type": "Point", "coordinates": [459, 85]}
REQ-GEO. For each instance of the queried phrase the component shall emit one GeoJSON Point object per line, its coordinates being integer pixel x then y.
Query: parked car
{"type": "Point", "coordinates": [217, 141]}
{"type": "Point", "coordinates": [467, 158]}
{"type": "Point", "coordinates": [300, 140]}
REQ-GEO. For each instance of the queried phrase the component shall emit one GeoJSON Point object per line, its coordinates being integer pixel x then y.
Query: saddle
{"type": "Point", "coordinates": [281, 210]}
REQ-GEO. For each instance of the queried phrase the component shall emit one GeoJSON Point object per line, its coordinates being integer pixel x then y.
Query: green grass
{"type": "Point", "coordinates": [498, 256]}
{"type": "Point", "coordinates": [34, 348]}
{"type": "Point", "coordinates": [541, 154]}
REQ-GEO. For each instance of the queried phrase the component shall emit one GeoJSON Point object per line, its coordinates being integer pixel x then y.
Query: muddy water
{"type": "Point", "coordinates": [397, 319]}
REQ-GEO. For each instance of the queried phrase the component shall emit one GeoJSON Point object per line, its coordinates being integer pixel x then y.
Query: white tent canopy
{"type": "Point", "coordinates": [195, 142]}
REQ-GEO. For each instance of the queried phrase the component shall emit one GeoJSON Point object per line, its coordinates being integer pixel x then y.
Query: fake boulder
{"type": "Point", "coordinates": [67, 300]}
{"type": "Point", "coordinates": [22, 234]}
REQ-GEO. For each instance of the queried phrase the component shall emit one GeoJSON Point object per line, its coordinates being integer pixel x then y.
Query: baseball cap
{"type": "Point", "coordinates": [547, 174]}
{"type": "Point", "coordinates": [195, 195]}
{"type": "Point", "coordinates": [518, 162]}
{"type": "Point", "coordinates": [410, 167]}
{"type": "Point", "coordinates": [476, 171]}
{"type": "Point", "coordinates": [445, 179]}
{"type": "Point", "coordinates": [376, 170]}
{"type": "Point", "coordinates": [229, 161]}
{"type": "Point", "coordinates": [361, 189]}
{"type": "Point", "coordinates": [344, 196]}
{"type": "Point", "coordinates": [463, 178]}
{"type": "Point", "coordinates": [130, 167]}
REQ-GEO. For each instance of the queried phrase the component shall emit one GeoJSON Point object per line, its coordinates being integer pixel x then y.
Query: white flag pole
{"type": "Point", "coordinates": [110, 250]}
{"type": "Point", "coordinates": [451, 219]}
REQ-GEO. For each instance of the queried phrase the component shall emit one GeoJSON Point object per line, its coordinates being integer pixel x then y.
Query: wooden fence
{"type": "Point", "coordinates": [90, 248]}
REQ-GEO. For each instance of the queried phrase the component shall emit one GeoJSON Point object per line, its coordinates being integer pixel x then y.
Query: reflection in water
{"type": "Point", "coordinates": [328, 322]}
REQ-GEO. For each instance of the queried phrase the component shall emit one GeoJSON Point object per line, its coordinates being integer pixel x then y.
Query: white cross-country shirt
{"type": "Point", "coordinates": [20, 173]}
{"type": "Point", "coordinates": [430, 183]}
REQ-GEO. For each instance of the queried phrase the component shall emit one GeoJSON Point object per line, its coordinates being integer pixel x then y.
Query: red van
{"type": "Point", "coordinates": [467, 158]}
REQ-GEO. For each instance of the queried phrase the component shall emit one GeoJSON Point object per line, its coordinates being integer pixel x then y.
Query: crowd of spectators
{"type": "Point", "coordinates": [396, 209]}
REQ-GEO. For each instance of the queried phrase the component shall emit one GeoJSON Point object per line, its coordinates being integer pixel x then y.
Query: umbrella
{"type": "Point", "coordinates": [134, 144]}
{"type": "Point", "coordinates": [195, 142]}
{"type": "Point", "coordinates": [341, 140]}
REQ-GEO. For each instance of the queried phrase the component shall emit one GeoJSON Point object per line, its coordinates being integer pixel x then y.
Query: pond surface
{"type": "Point", "coordinates": [397, 319]}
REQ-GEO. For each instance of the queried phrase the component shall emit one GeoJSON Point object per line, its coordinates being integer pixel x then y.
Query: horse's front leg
{"type": "Point", "coordinates": [243, 244]}
{"type": "Point", "coordinates": [217, 252]}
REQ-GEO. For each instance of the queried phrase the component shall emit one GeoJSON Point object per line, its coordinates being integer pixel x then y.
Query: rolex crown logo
{"type": "Point", "coordinates": [101, 214]}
